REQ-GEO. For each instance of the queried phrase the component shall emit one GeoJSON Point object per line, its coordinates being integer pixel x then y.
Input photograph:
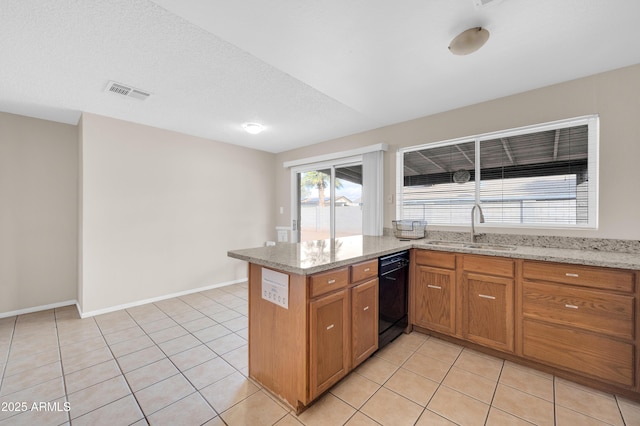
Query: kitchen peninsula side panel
{"type": "Point", "coordinates": [278, 339]}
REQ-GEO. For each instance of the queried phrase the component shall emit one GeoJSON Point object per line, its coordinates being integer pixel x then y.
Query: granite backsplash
{"type": "Point", "coordinates": [578, 243]}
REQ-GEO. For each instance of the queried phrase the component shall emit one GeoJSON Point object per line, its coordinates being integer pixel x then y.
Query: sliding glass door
{"type": "Point", "coordinates": [329, 202]}
{"type": "Point", "coordinates": [348, 201]}
{"type": "Point", "coordinates": [314, 204]}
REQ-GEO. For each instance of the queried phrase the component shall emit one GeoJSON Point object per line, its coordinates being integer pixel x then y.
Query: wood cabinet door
{"type": "Point", "coordinates": [488, 310]}
{"type": "Point", "coordinates": [364, 321]}
{"type": "Point", "coordinates": [328, 341]}
{"type": "Point", "coordinates": [434, 299]}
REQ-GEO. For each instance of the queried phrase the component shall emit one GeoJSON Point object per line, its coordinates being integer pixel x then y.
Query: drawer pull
{"type": "Point", "coordinates": [366, 308]}
{"type": "Point", "coordinates": [367, 269]}
{"type": "Point", "coordinates": [484, 296]}
{"type": "Point", "coordinates": [437, 287]}
{"type": "Point", "coordinates": [570, 306]}
{"type": "Point", "coordinates": [568, 274]}
{"type": "Point", "coordinates": [330, 327]}
{"type": "Point", "coordinates": [331, 281]}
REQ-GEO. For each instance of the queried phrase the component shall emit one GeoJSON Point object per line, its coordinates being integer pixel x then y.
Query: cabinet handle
{"type": "Point", "coordinates": [484, 296]}
{"type": "Point", "coordinates": [570, 306]}
{"type": "Point", "coordinates": [330, 327]}
{"type": "Point", "coordinates": [437, 287]}
{"type": "Point", "coordinates": [365, 308]}
{"type": "Point", "coordinates": [367, 269]}
{"type": "Point", "coordinates": [331, 281]}
{"type": "Point", "coordinates": [568, 274]}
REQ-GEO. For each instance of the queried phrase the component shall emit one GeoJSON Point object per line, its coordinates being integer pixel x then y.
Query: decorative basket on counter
{"type": "Point", "coordinates": [409, 229]}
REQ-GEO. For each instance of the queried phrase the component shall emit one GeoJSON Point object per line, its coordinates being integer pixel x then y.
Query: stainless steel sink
{"type": "Point", "coordinates": [447, 243]}
{"type": "Point", "coordinates": [481, 246]}
{"type": "Point", "coordinates": [489, 246]}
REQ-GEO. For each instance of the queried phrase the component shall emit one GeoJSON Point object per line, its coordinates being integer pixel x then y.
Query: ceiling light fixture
{"type": "Point", "coordinates": [469, 41]}
{"type": "Point", "coordinates": [253, 128]}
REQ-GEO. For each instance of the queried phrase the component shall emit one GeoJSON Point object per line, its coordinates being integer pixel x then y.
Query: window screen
{"type": "Point", "coordinates": [439, 183]}
{"type": "Point", "coordinates": [539, 176]}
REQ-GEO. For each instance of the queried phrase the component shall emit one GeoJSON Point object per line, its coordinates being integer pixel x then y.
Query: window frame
{"type": "Point", "coordinates": [591, 121]}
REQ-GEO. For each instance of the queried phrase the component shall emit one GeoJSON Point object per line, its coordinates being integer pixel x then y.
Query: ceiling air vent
{"type": "Point", "coordinates": [124, 90]}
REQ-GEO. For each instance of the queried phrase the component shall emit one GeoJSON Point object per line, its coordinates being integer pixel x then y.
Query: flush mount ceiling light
{"type": "Point", "coordinates": [469, 41]}
{"type": "Point", "coordinates": [253, 128]}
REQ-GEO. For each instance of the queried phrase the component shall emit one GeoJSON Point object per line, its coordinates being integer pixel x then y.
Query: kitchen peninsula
{"type": "Point", "coordinates": [313, 312]}
{"type": "Point", "coordinates": [311, 307]}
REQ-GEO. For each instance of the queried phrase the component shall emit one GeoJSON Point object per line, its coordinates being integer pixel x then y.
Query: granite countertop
{"type": "Point", "coordinates": [316, 256]}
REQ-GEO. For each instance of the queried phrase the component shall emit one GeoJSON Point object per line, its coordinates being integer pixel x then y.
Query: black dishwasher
{"type": "Point", "coordinates": [393, 274]}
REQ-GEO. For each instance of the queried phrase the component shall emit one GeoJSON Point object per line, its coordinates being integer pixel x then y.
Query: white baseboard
{"type": "Point", "coordinates": [115, 308]}
{"type": "Point", "coordinates": [156, 299]}
{"type": "Point", "coordinates": [38, 308]}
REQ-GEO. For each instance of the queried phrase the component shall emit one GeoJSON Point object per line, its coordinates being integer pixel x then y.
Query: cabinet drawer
{"type": "Point", "coordinates": [588, 309]}
{"type": "Point", "coordinates": [586, 276]}
{"type": "Point", "coordinates": [364, 270]}
{"type": "Point", "coordinates": [436, 259]}
{"type": "Point", "coordinates": [325, 282]}
{"type": "Point", "coordinates": [489, 265]}
{"type": "Point", "coordinates": [593, 355]}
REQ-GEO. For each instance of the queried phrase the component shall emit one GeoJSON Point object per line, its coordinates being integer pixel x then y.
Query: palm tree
{"type": "Point", "coordinates": [320, 180]}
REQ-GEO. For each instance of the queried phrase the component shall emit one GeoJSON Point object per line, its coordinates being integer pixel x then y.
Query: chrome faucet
{"type": "Point", "coordinates": [473, 220]}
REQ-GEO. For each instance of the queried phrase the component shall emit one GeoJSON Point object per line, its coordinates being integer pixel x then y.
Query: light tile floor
{"type": "Point", "coordinates": [183, 361]}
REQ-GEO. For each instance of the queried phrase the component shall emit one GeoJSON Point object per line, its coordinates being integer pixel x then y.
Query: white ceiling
{"type": "Point", "coordinates": [308, 70]}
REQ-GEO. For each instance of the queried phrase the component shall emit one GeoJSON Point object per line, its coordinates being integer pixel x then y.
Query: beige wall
{"type": "Point", "coordinates": [38, 213]}
{"type": "Point", "coordinates": [614, 95]}
{"type": "Point", "coordinates": [161, 209]}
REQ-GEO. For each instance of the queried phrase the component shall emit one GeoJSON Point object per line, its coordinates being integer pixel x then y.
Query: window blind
{"type": "Point", "coordinates": [439, 184]}
{"type": "Point", "coordinates": [543, 175]}
{"type": "Point", "coordinates": [536, 178]}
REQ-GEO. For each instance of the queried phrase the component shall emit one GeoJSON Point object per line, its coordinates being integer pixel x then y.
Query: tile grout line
{"type": "Point", "coordinates": [585, 389]}
{"type": "Point", "coordinates": [54, 323]}
{"type": "Point", "coordinates": [200, 340]}
{"type": "Point", "coordinates": [624, 421]}
{"type": "Point", "coordinates": [495, 390]}
{"type": "Point", "coordinates": [140, 325]}
{"type": "Point", "coordinates": [64, 377]}
{"type": "Point", "coordinates": [144, 416]}
{"type": "Point", "coordinates": [180, 370]}
{"type": "Point", "coordinates": [413, 352]}
{"type": "Point", "coordinates": [260, 388]}
{"type": "Point", "coordinates": [188, 332]}
{"type": "Point", "coordinates": [440, 384]}
{"type": "Point", "coordinates": [555, 410]}
{"type": "Point", "coordinates": [400, 366]}
{"type": "Point", "coordinates": [61, 332]}
{"type": "Point", "coordinates": [4, 369]}
{"type": "Point", "coordinates": [219, 414]}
